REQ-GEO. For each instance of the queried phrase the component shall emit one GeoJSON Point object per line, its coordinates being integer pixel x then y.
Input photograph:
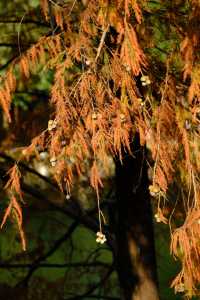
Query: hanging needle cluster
{"type": "Point", "coordinates": [113, 80]}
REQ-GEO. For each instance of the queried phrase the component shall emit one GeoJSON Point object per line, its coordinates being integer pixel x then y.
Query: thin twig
{"type": "Point", "coordinates": [101, 43]}
{"type": "Point", "coordinates": [72, 8]}
{"type": "Point", "coordinates": [19, 31]}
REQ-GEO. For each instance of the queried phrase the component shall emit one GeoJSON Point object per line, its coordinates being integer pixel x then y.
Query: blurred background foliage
{"type": "Point", "coordinates": [77, 265]}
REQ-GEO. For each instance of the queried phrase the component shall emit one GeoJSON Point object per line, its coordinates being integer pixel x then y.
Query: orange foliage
{"type": "Point", "coordinates": [101, 99]}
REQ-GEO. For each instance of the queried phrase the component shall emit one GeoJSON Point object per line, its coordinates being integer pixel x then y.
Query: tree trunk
{"type": "Point", "coordinates": [135, 259]}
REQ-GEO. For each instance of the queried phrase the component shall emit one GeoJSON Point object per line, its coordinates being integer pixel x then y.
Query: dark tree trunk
{"type": "Point", "coordinates": [135, 259]}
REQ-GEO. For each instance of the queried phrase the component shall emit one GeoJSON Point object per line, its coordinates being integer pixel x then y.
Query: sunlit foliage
{"type": "Point", "coordinates": [121, 68]}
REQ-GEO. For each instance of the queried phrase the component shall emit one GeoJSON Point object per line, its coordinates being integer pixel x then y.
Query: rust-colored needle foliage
{"type": "Point", "coordinates": [111, 82]}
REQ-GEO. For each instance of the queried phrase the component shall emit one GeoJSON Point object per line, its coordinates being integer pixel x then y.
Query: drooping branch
{"type": "Point", "coordinates": [70, 208]}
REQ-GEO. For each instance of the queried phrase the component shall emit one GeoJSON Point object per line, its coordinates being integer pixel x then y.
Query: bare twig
{"type": "Point", "coordinates": [101, 43]}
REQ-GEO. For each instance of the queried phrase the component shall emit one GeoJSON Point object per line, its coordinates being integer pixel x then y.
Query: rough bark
{"type": "Point", "coordinates": [136, 261]}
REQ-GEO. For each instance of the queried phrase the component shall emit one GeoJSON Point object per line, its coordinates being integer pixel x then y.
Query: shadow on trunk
{"type": "Point", "coordinates": [136, 262]}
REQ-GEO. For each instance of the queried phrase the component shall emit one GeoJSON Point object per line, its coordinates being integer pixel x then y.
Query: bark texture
{"type": "Point", "coordinates": [136, 262]}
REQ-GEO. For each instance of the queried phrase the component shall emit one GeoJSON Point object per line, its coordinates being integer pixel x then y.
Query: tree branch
{"type": "Point", "coordinates": [8, 62]}
{"type": "Point", "coordinates": [94, 287]}
{"type": "Point", "coordinates": [55, 265]}
{"type": "Point", "coordinates": [71, 208]}
{"type": "Point", "coordinates": [56, 245]}
{"type": "Point", "coordinates": [28, 169]}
